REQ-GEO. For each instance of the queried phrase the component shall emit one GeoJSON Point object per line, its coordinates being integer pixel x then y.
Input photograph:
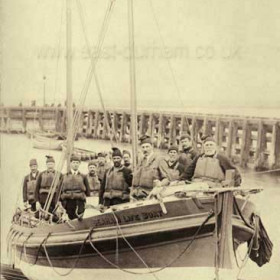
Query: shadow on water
{"type": "Point", "coordinates": [16, 151]}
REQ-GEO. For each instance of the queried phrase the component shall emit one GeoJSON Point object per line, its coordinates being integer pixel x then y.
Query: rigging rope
{"type": "Point", "coordinates": [245, 260]}
{"type": "Point", "coordinates": [134, 251]}
{"type": "Point", "coordinates": [210, 215]}
{"type": "Point", "coordinates": [55, 182]}
{"type": "Point", "coordinates": [93, 64]}
{"type": "Point", "coordinates": [38, 251]}
{"type": "Point", "coordinates": [85, 89]}
{"type": "Point", "coordinates": [76, 260]}
{"type": "Point", "coordinates": [88, 238]}
{"type": "Point", "coordinates": [92, 67]}
{"type": "Point", "coordinates": [178, 91]}
{"type": "Point", "coordinates": [58, 50]}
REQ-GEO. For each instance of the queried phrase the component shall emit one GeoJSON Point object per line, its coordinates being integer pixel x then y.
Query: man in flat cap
{"type": "Point", "coordinates": [93, 180]}
{"type": "Point", "coordinates": [171, 166]}
{"type": "Point", "coordinates": [44, 183]}
{"type": "Point", "coordinates": [117, 181]}
{"type": "Point", "coordinates": [29, 185]}
{"type": "Point", "coordinates": [210, 166]}
{"type": "Point", "coordinates": [74, 188]}
{"type": "Point", "coordinates": [127, 159]}
{"type": "Point", "coordinates": [187, 154]}
{"type": "Point", "coordinates": [147, 174]}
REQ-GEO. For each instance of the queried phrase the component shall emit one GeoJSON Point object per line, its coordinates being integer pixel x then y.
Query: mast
{"type": "Point", "coordinates": [69, 98]}
{"type": "Point", "coordinates": [133, 98]}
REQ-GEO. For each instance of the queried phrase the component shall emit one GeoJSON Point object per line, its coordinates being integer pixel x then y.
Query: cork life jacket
{"type": "Point", "coordinates": [116, 186]}
{"type": "Point", "coordinates": [208, 169]}
{"type": "Point", "coordinates": [94, 184]}
{"type": "Point", "coordinates": [47, 179]}
{"type": "Point", "coordinates": [73, 187]}
{"type": "Point", "coordinates": [173, 173]}
{"type": "Point", "coordinates": [145, 174]}
{"type": "Point", "coordinates": [31, 186]}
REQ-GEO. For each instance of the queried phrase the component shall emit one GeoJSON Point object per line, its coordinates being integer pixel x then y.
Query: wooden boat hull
{"type": "Point", "coordinates": [177, 239]}
{"type": "Point", "coordinates": [178, 273]}
{"type": "Point", "coordinates": [83, 154]}
{"type": "Point", "coordinates": [43, 134]}
{"type": "Point", "coordinates": [8, 272]}
{"type": "Point", "coordinates": [47, 144]}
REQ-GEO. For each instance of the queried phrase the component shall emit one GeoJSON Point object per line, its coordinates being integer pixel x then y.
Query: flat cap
{"type": "Point", "coordinates": [101, 154]}
{"type": "Point", "coordinates": [75, 157]}
{"type": "Point", "coordinates": [126, 152]}
{"type": "Point", "coordinates": [185, 136]}
{"type": "Point", "coordinates": [145, 139]}
{"type": "Point", "coordinates": [50, 159]}
{"type": "Point", "coordinates": [92, 162]}
{"type": "Point", "coordinates": [33, 161]}
{"type": "Point", "coordinates": [173, 148]}
{"type": "Point", "coordinates": [207, 138]}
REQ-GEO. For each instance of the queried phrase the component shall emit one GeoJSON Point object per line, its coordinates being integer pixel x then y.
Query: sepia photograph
{"type": "Point", "coordinates": [140, 139]}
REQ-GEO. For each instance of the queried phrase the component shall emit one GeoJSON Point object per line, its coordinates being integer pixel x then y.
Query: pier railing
{"type": "Point", "coordinates": [249, 141]}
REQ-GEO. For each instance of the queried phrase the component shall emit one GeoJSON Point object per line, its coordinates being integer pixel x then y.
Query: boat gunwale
{"type": "Point", "coordinates": [205, 200]}
{"type": "Point", "coordinates": [237, 223]}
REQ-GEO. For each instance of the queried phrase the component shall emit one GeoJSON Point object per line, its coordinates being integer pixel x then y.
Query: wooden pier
{"type": "Point", "coordinates": [248, 141]}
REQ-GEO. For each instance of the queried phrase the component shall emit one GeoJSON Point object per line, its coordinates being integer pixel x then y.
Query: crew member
{"type": "Point", "coordinates": [74, 189]}
{"type": "Point", "coordinates": [171, 167]}
{"type": "Point", "coordinates": [117, 181]}
{"type": "Point", "coordinates": [187, 153]}
{"type": "Point", "coordinates": [44, 183]}
{"type": "Point", "coordinates": [210, 166]}
{"type": "Point", "coordinates": [29, 185]}
{"type": "Point", "coordinates": [94, 182]}
{"type": "Point", "coordinates": [127, 159]}
{"type": "Point", "coordinates": [103, 166]}
{"type": "Point", "coordinates": [147, 174]}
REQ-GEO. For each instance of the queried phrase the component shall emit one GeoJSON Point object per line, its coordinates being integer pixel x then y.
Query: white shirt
{"type": "Point", "coordinates": [149, 156]}
{"type": "Point", "coordinates": [74, 172]}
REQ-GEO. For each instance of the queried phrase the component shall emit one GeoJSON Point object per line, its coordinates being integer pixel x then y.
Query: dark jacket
{"type": "Point", "coordinates": [225, 164]}
{"type": "Point", "coordinates": [127, 174]}
{"type": "Point", "coordinates": [187, 156]}
{"type": "Point", "coordinates": [25, 181]}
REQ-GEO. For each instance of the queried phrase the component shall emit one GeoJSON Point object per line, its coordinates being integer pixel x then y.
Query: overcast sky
{"type": "Point", "coordinates": [222, 52]}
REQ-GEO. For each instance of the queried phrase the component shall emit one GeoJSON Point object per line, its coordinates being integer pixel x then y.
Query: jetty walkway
{"type": "Point", "coordinates": [249, 141]}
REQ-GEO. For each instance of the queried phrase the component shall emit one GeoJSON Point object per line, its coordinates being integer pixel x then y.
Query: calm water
{"type": "Point", "coordinates": [16, 150]}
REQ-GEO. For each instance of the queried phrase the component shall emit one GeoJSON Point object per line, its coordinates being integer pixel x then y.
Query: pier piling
{"type": "Point", "coordinates": [250, 141]}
